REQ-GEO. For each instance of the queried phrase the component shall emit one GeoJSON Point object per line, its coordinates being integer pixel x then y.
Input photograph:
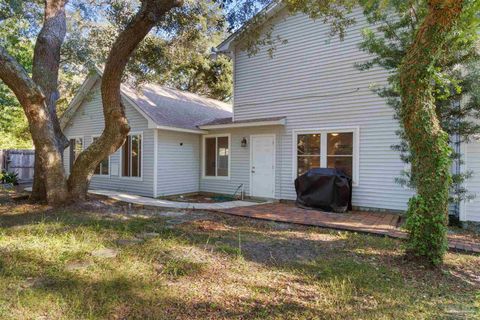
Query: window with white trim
{"type": "Point", "coordinates": [103, 167]}
{"type": "Point", "coordinates": [132, 156]}
{"type": "Point", "coordinates": [216, 156]}
{"type": "Point", "coordinates": [326, 149]}
{"type": "Point", "coordinates": [76, 147]}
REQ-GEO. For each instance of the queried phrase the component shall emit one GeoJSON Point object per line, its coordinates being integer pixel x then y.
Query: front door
{"type": "Point", "coordinates": [262, 166]}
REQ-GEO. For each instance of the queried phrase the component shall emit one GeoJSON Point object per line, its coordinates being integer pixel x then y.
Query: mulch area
{"type": "Point", "coordinates": [368, 222]}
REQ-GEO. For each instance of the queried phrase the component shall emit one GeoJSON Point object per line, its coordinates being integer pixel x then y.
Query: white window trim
{"type": "Point", "coordinates": [323, 152]}
{"type": "Point", "coordinates": [121, 176]}
{"type": "Point", "coordinates": [229, 136]}
{"type": "Point", "coordinates": [109, 162]}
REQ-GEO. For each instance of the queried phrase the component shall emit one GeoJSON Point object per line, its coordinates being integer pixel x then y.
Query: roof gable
{"type": "Point", "coordinates": [269, 11]}
{"type": "Point", "coordinates": [163, 107]}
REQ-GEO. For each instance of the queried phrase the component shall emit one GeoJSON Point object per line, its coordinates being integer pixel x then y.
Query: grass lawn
{"type": "Point", "coordinates": [102, 260]}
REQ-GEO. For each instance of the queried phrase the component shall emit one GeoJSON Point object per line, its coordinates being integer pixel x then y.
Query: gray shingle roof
{"type": "Point", "coordinates": [175, 108]}
{"type": "Point", "coordinates": [229, 120]}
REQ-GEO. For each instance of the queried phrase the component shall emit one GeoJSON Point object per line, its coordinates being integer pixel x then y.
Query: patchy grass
{"type": "Point", "coordinates": [211, 266]}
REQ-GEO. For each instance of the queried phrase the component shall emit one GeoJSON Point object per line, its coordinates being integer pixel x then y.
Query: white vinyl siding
{"type": "Point", "coordinates": [88, 121]}
{"type": "Point", "coordinates": [312, 81]}
{"type": "Point", "coordinates": [178, 168]}
{"type": "Point", "coordinates": [470, 210]}
{"type": "Point", "coordinates": [240, 162]}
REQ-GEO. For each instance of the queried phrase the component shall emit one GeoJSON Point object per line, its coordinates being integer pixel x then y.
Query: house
{"type": "Point", "coordinates": [162, 153]}
{"type": "Point", "coordinates": [307, 106]}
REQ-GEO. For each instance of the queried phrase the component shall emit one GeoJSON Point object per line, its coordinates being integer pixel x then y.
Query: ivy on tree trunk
{"type": "Point", "coordinates": [430, 150]}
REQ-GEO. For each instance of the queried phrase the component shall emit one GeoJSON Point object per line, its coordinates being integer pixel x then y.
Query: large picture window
{"type": "Point", "coordinates": [326, 149]}
{"type": "Point", "coordinates": [216, 156]}
{"type": "Point", "coordinates": [103, 168]}
{"type": "Point", "coordinates": [76, 147]}
{"type": "Point", "coordinates": [132, 156]}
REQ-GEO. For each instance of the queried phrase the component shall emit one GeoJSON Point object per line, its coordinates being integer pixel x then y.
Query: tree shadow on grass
{"type": "Point", "coordinates": [49, 291]}
{"type": "Point", "coordinates": [352, 272]}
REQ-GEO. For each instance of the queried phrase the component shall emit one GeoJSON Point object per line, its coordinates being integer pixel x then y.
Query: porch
{"type": "Point", "coordinates": [383, 224]}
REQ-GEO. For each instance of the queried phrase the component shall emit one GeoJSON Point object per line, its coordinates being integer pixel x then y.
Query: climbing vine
{"type": "Point", "coordinates": [429, 144]}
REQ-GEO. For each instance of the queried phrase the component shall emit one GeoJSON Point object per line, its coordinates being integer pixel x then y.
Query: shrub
{"type": "Point", "coordinates": [9, 178]}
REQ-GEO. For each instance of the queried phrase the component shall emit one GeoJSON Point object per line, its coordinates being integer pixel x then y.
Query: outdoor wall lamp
{"type": "Point", "coordinates": [244, 142]}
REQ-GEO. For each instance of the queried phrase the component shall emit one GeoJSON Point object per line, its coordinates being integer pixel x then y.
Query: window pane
{"type": "Point", "coordinates": [308, 144]}
{"type": "Point", "coordinates": [210, 162]}
{"type": "Point", "coordinates": [306, 163]}
{"type": "Point", "coordinates": [135, 156]}
{"type": "Point", "coordinates": [340, 143]}
{"type": "Point", "coordinates": [104, 167]}
{"type": "Point", "coordinates": [126, 157]}
{"type": "Point", "coordinates": [222, 156]}
{"type": "Point", "coordinates": [343, 163]}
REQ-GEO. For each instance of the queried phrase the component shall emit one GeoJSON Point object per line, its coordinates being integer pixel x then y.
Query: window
{"type": "Point", "coordinates": [326, 149]}
{"type": "Point", "coordinates": [132, 156]}
{"type": "Point", "coordinates": [217, 153]}
{"type": "Point", "coordinates": [76, 147]}
{"type": "Point", "coordinates": [308, 152]}
{"type": "Point", "coordinates": [103, 168]}
{"type": "Point", "coordinates": [340, 151]}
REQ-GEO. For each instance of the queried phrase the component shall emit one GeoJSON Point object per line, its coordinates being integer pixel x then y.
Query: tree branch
{"type": "Point", "coordinates": [46, 61]}
{"type": "Point", "coordinates": [17, 79]}
{"type": "Point", "coordinates": [116, 124]}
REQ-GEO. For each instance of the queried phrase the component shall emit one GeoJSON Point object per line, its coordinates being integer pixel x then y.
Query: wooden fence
{"type": "Point", "coordinates": [19, 161]}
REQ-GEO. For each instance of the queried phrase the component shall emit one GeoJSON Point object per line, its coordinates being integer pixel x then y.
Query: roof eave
{"type": "Point", "coordinates": [280, 122]}
{"type": "Point", "coordinates": [178, 129]}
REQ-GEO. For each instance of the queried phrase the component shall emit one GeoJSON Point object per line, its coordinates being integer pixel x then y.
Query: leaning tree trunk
{"type": "Point", "coordinates": [32, 99]}
{"type": "Point", "coordinates": [116, 124]}
{"type": "Point", "coordinates": [431, 163]}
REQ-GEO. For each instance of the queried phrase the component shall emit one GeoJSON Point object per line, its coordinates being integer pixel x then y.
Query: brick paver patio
{"type": "Point", "coordinates": [377, 223]}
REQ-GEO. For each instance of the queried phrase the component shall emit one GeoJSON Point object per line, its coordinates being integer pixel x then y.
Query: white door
{"type": "Point", "coordinates": [262, 164]}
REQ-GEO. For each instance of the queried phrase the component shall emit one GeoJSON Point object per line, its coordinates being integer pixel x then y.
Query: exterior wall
{"type": "Point", "coordinates": [178, 168]}
{"type": "Point", "coordinates": [88, 121]}
{"type": "Point", "coordinates": [240, 161]}
{"type": "Point", "coordinates": [470, 210]}
{"type": "Point", "coordinates": [312, 81]}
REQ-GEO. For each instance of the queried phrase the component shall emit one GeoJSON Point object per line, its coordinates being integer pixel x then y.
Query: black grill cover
{"type": "Point", "coordinates": [324, 189]}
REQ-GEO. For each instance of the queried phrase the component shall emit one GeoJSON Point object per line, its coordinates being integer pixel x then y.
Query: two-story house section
{"type": "Point", "coordinates": [308, 106]}
{"type": "Point", "coordinates": [305, 107]}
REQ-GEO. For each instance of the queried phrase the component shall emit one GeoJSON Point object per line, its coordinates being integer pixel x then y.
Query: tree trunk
{"type": "Point", "coordinates": [46, 63]}
{"type": "Point", "coordinates": [431, 163]}
{"type": "Point", "coordinates": [39, 191]}
{"type": "Point", "coordinates": [32, 100]}
{"type": "Point", "coordinates": [116, 124]}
